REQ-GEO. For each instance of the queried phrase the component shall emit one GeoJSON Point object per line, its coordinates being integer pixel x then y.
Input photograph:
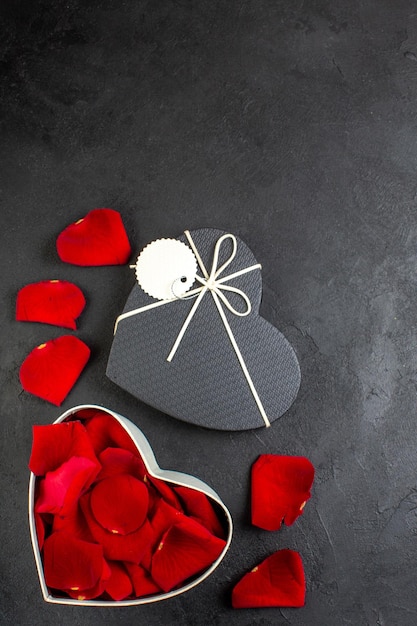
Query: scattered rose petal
{"type": "Point", "coordinates": [99, 238]}
{"type": "Point", "coordinates": [52, 369]}
{"type": "Point", "coordinates": [186, 549]}
{"type": "Point", "coordinates": [120, 503]}
{"type": "Point", "coordinates": [59, 490]}
{"type": "Point", "coordinates": [278, 581]}
{"type": "Point", "coordinates": [142, 581]}
{"type": "Point", "coordinates": [198, 506]}
{"type": "Point", "coordinates": [57, 302]}
{"type": "Point", "coordinates": [72, 564]}
{"type": "Point", "coordinates": [117, 547]}
{"type": "Point", "coordinates": [54, 444]}
{"type": "Point", "coordinates": [280, 488]}
{"type": "Point", "coordinates": [119, 586]}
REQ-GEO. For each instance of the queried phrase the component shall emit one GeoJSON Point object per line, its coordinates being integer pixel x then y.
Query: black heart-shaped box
{"type": "Point", "coordinates": [229, 372]}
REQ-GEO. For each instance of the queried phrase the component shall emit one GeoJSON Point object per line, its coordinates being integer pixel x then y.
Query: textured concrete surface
{"type": "Point", "coordinates": [292, 124]}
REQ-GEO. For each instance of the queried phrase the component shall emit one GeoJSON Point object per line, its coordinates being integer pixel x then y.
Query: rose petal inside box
{"type": "Point", "coordinates": [108, 526]}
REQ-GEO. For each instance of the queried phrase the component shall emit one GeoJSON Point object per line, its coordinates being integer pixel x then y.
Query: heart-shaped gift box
{"type": "Point", "coordinates": [207, 356]}
{"type": "Point", "coordinates": [177, 479]}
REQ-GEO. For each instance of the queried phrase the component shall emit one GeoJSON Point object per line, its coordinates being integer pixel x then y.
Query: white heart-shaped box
{"type": "Point", "coordinates": [169, 476]}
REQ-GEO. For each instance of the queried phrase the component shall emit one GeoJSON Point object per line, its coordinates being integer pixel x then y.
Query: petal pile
{"type": "Point", "coordinates": [278, 581]}
{"type": "Point", "coordinates": [99, 238]}
{"type": "Point", "coordinates": [52, 369]}
{"type": "Point", "coordinates": [106, 528]}
{"type": "Point", "coordinates": [56, 302]}
{"type": "Point", "coordinates": [280, 488]}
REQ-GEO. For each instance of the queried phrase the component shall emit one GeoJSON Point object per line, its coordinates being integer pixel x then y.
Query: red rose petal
{"type": "Point", "coordinates": [93, 592]}
{"type": "Point", "coordinates": [71, 563]}
{"type": "Point", "coordinates": [57, 302]}
{"type": "Point", "coordinates": [146, 560]}
{"type": "Point", "coordinates": [119, 586]}
{"type": "Point", "coordinates": [99, 238]}
{"type": "Point", "coordinates": [84, 414]}
{"type": "Point", "coordinates": [143, 584]}
{"type": "Point", "coordinates": [116, 547]}
{"type": "Point", "coordinates": [278, 581]}
{"type": "Point", "coordinates": [186, 549]}
{"type": "Point", "coordinates": [73, 523]}
{"type": "Point", "coordinates": [59, 490]}
{"type": "Point", "coordinates": [165, 491]}
{"type": "Point", "coordinates": [164, 516]}
{"type": "Point", "coordinates": [54, 444]}
{"type": "Point", "coordinates": [40, 529]}
{"type": "Point", "coordinates": [106, 432]}
{"type": "Point", "coordinates": [51, 370]}
{"type": "Point", "coordinates": [280, 488]}
{"type": "Point", "coordinates": [119, 461]}
{"type": "Point", "coordinates": [120, 503]}
{"type": "Point", "coordinates": [154, 496]}
{"type": "Point", "coordinates": [198, 506]}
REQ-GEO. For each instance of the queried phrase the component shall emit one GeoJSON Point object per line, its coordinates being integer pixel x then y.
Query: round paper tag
{"type": "Point", "coordinates": [166, 269]}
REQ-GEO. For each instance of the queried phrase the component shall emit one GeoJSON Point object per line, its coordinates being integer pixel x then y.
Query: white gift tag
{"type": "Point", "coordinates": [166, 268]}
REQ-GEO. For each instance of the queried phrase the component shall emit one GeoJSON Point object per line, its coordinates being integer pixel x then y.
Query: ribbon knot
{"type": "Point", "coordinates": [210, 282]}
{"type": "Point", "coordinates": [213, 283]}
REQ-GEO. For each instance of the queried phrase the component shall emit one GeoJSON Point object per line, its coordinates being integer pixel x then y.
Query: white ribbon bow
{"type": "Point", "coordinates": [211, 283]}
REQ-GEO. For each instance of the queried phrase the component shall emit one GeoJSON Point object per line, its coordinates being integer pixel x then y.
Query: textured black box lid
{"type": "Point", "coordinates": [204, 383]}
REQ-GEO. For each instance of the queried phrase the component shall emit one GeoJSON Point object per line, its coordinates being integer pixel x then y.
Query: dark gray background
{"type": "Point", "coordinates": [292, 124]}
